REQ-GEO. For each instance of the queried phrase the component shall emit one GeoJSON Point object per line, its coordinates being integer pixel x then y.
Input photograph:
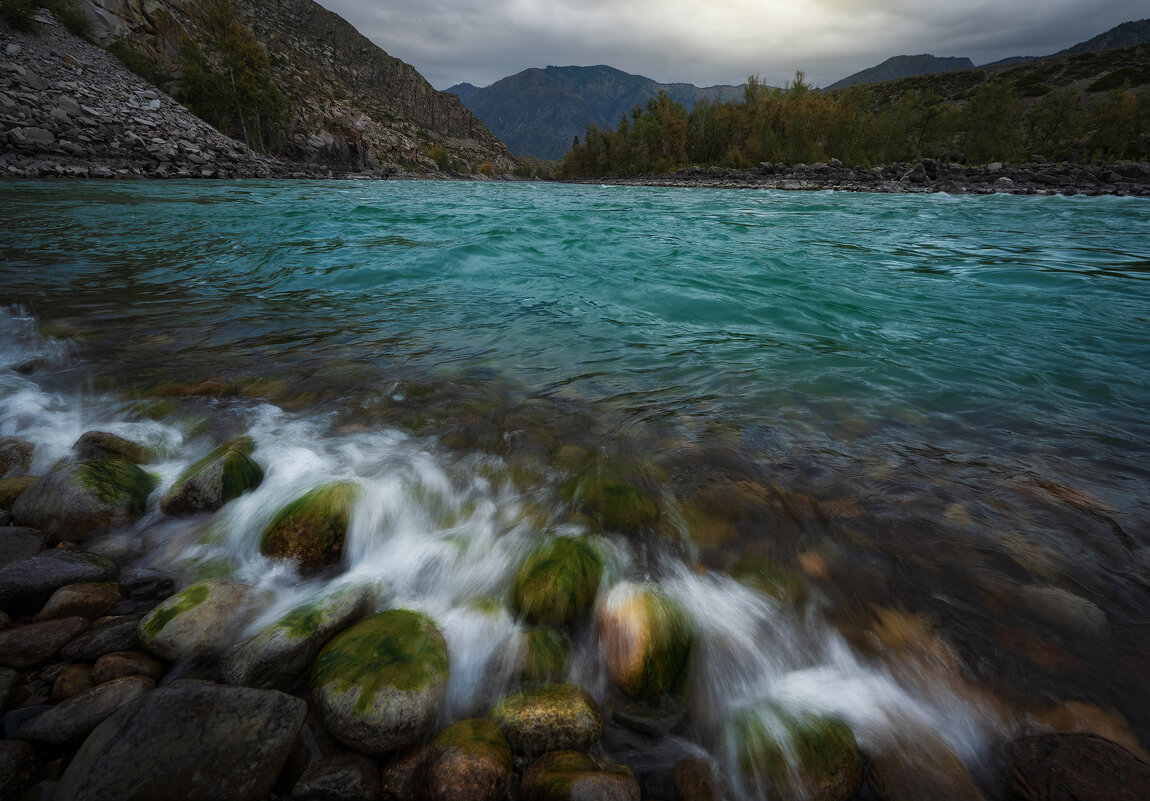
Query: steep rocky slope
{"type": "Point", "coordinates": [348, 103]}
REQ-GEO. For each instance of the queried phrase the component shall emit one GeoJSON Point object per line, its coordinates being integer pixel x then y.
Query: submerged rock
{"type": "Point", "coordinates": [616, 505]}
{"type": "Point", "coordinates": [98, 446]}
{"type": "Point", "coordinates": [75, 500]}
{"type": "Point", "coordinates": [557, 584]}
{"type": "Point", "coordinates": [569, 775]}
{"type": "Point", "coordinates": [223, 475]}
{"type": "Point", "coordinates": [555, 717]}
{"type": "Point", "coordinates": [195, 741]}
{"type": "Point", "coordinates": [312, 528]}
{"type": "Point", "coordinates": [469, 759]}
{"type": "Point", "coordinates": [1076, 767]}
{"type": "Point", "coordinates": [278, 655]}
{"type": "Point", "coordinates": [380, 684]}
{"type": "Point", "coordinates": [796, 756]}
{"type": "Point", "coordinates": [646, 639]}
{"type": "Point", "coordinates": [201, 620]}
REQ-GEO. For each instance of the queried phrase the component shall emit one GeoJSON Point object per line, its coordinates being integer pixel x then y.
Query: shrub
{"type": "Point", "coordinates": [441, 158]}
{"type": "Point", "coordinates": [20, 14]}
{"type": "Point", "coordinates": [487, 169]}
{"type": "Point", "coordinates": [71, 16]}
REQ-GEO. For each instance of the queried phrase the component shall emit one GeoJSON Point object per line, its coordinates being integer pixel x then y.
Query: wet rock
{"type": "Point", "coordinates": [15, 456]}
{"type": "Point", "coordinates": [469, 759]}
{"type": "Point", "coordinates": [533, 657]}
{"type": "Point", "coordinates": [99, 446]}
{"type": "Point", "coordinates": [1064, 609]}
{"type": "Point", "coordinates": [74, 680]}
{"type": "Point", "coordinates": [555, 717]}
{"type": "Point", "coordinates": [796, 756]}
{"type": "Point", "coordinates": [35, 643]}
{"type": "Point", "coordinates": [695, 779]}
{"type": "Point", "coordinates": [119, 664]}
{"type": "Point", "coordinates": [9, 678]}
{"type": "Point", "coordinates": [569, 775]}
{"type": "Point", "coordinates": [223, 475]}
{"type": "Point", "coordinates": [201, 620]}
{"type": "Point", "coordinates": [195, 741]}
{"type": "Point", "coordinates": [12, 488]}
{"type": "Point", "coordinates": [343, 777]}
{"type": "Point", "coordinates": [106, 637]}
{"type": "Point", "coordinates": [85, 599]}
{"type": "Point", "coordinates": [27, 583]}
{"type": "Point", "coordinates": [654, 719]}
{"type": "Point", "coordinates": [380, 684]}
{"type": "Point", "coordinates": [646, 640]}
{"type": "Point", "coordinates": [616, 505]}
{"type": "Point", "coordinates": [76, 500]}
{"type": "Point", "coordinates": [1075, 767]}
{"type": "Point", "coordinates": [918, 765]}
{"type": "Point", "coordinates": [17, 768]}
{"type": "Point", "coordinates": [311, 529]}
{"type": "Point", "coordinates": [277, 656]}
{"type": "Point", "coordinates": [401, 776]}
{"type": "Point", "coordinates": [75, 718]}
{"type": "Point", "coordinates": [18, 543]}
{"type": "Point", "coordinates": [557, 584]}
{"type": "Point", "coordinates": [147, 585]}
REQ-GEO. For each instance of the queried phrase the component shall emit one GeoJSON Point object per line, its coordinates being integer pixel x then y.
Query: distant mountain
{"type": "Point", "coordinates": [539, 112]}
{"type": "Point", "coordinates": [900, 67]}
{"type": "Point", "coordinates": [1127, 34]}
{"type": "Point", "coordinates": [1008, 60]}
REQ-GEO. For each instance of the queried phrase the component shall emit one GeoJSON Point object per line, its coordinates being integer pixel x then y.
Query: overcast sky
{"type": "Point", "coordinates": [705, 43]}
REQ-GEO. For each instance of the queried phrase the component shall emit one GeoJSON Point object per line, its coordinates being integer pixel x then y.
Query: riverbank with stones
{"type": "Point", "coordinates": [116, 682]}
{"type": "Point", "coordinates": [1036, 177]}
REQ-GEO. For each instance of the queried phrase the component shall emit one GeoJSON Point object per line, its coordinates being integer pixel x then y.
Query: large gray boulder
{"type": "Point", "coordinates": [224, 474]}
{"type": "Point", "coordinates": [75, 500]}
{"type": "Point", "coordinates": [193, 742]}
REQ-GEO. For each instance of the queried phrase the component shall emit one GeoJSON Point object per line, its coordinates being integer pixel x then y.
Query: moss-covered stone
{"type": "Point", "coordinates": [569, 775]}
{"type": "Point", "coordinates": [97, 446]}
{"type": "Point", "coordinates": [544, 657]}
{"type": "Point", "coordinates": [788, 587]}
{"type": "Point", "coordinates": [12, 488]}
{"type": "Point", "coordinates": [470, 759]}
{"type": "Point", "coordinates": [647, 640]}
{"type": "Point", "coordinates": [223, 475]}
{"type": "Point", "coordinates": [616, 505]}
{"type": "Point", "coordinates": [380, 684]}
{"type": "Point", "coordinates": [311, 529]}
{"type": "Point", "coordinates": [15, 456]}
{"type": "Point", "coordinates": [78, 499]}
{"type": "Point", "coordinates": [557, 584]}
{"type": "Point", "coordinates": [201, 620]}
{"type": "Point", "coordinates": [558, 716]}
{"type": "Point", "coordinates": [796, 756]}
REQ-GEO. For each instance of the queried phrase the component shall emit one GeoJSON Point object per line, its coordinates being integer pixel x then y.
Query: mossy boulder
{"type": "Point", "coordinates": [276, 657]}
{"type": "Point", "coordinates": [199, 621]}
{"type": "Point", "coordinates": [796, 755]}
{"type": "Point", "coordinates": [380, 684]}
{"type": "Point", "coordinates": [558, 716]}
{"type": "Point", "coordinates": [557, 583]}
{"type": "Point", "coordinates": [646, 639]}
{"type": "Point", "coordinates": [98, 446]}
{"type": "Point", "coordinates": [616, 505]}
{"type": "Point", "coordinates": [573, 776]}
{"type": "Point", "coordinates": [311, 529]}
{"type": "Point", "coordinates": [470, 759]}
{"type": "Point", "coordinates": [224, 474]}
{"type": "Point", "coordinates": [541, 658]}
{"type": "Point", "coordinates": [12, 488]}
{"type": "Point", "coordinates": [15, 456]}
{"type": "Point", "coordinates": [75, 500]}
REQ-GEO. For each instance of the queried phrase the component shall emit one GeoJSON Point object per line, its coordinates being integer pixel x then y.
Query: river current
{"type": "Point", "coordinates": [899, 444]}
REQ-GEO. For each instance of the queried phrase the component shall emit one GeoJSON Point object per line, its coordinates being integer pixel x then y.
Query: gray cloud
{"type": "Point", "coordinates": [451, 41]}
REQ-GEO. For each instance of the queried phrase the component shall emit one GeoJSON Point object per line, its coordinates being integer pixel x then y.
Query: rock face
{"type": "Point", "coordinates": [78, 499]}
{"type": "Point", "coordinates": [646, 640]}
{"type": "Point", "coordinates": [557, 584]}
{"type": "Point", "coordinates": [380, 685]}
{"type": "Point", "coordinates": [195, 741]}
{"type": "Point", "coordinates": [223, 475]}
{"type": "Point", "coordinates": [556, 717]}
{"type": "Point", "coordinates": [311, 529]}
{"type": "Point", "coordinates": [1076, 767]}
{"type": "Point", "coordinates": [199, 621]}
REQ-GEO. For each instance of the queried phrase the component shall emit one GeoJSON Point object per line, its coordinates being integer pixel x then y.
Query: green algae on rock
{"type": "Point", "coordinates": [380, 684]}
{"type": "Point", "coordinates": [223, 475]}
{"type": "Point", "coordinates": [78, 499]}
{"type": "Point", "coordinates": [569, 775]}
{"type": "Point", "coordinates": [616, 505]}
{"type": "Point", "coordinates": [557, 583]}
{"type": "Point", "coordinates": [97, 446]}
{"type": "Point", "coordinates": [558, 716]}
{"type": "Point", "coordinates": [469, 759]}
{"type": "Point", "coordinates": [647, 639]}
{"type": "Point", "coordinates": [312, 528]}
{"type": "Point", "coordinates": [796, 756]}
{"type": "Point", "coordinates": [200, 620]}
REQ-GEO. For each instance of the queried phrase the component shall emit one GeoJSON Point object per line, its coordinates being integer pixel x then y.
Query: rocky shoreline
{"type": "Point", "coordinates": [115, 682]}
{"type": "Point", "coordinates": [1037, 177]}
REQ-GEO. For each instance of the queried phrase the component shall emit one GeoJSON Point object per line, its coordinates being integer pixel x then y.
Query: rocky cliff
{"type": "Point", "coordinates": [348, 103]}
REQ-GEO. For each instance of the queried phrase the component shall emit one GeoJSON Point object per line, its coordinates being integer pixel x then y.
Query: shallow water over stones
{"type": "Point", "coordinates": [890, 469]}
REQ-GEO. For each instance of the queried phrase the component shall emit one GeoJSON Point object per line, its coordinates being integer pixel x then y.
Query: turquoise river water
{"type": "Point", "coordinates": [919, 422]}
